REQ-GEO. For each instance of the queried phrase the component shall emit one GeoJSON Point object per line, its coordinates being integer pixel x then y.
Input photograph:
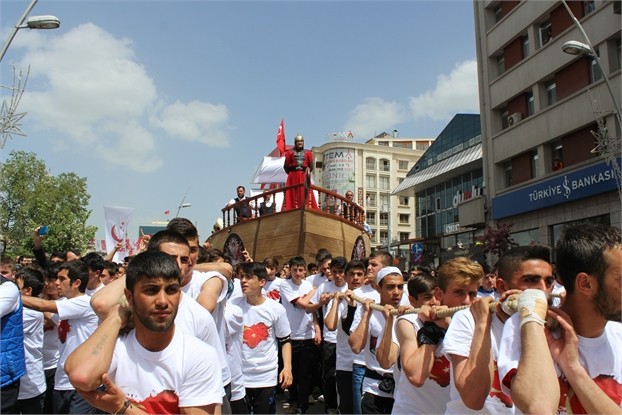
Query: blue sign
{"type": "Point", "coordinates": [589, 181]}
{"type": "Point", "coordinates": [417, 248]}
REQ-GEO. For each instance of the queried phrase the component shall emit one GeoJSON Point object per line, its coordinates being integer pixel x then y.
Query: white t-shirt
{"type": "Point", "coordinates": [300, 322]}
{"type": "Point", "coordinates": [186, 373]}
{"type": "Point", "coordinates": [557, 289]}
{"type": "Point", "coordinates": [457, 341]}
{"type": "Point", "coordinates": [51, 345]}
{"type": "Point", "coordinates": [345, 355]}
{"type": "Point", "coordinates": [193, 289]}
{"type": "Point", "coordinates": [94, 290]}
{"type": "Point", "coordinates": [600, 356]}
{"type": "Point", "coordinates": [272, 289]}
{"type": "Point", "coordinates": [433, 395]}
{"type": "Point", "coordinates": [237, 290]}
{"type": "Point", "coordinates": [365, 291]}
{"type": "Point", "coordinates": [195, 320]}
{"type": "Point", "coordinates": [33, 382]}
{"type": "Point", "coordinates": [374, 337]}
{"type": "Point", "coordinates": [235, 331]}
{"type": "Point", "coordinates": [77, 322]}
{"type": "Point", "coordinates": [317, 279]}
{"type": "Point", "coordinates": [263, 324]}
{"type": "Point", "coordinates": [327, 287]}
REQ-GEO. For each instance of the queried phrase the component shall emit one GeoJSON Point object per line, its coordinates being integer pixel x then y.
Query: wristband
{"type": "Point", "coordinates": [126, 405]}
{"type": "Point", "coordinates": [532, 306]}
{"type": "Point", "coordinates": [430, 333]}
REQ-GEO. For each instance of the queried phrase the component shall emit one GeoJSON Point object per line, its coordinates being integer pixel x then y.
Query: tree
{"type": "Point", "coordinates": [496, 239]}
{"type": "Point", "coordinates": [30, 196]}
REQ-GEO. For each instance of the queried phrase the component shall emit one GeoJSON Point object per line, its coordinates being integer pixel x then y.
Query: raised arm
{"type": "Point", "coordinates": [387, 351]}
{"type": "Point", "coordinates": [358, 338]}
{"type": "Point", "coordinates": [332, 317]}
{"type": "Point", "coordinates": [473, 373]}
{"type": "Point", "coordinates": [109, 296]}
{"type": "Point", "coordinates": [86, 365]}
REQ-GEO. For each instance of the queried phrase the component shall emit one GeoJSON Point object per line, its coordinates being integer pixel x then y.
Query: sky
{"type": "Point", "coordinates": [152, 101]}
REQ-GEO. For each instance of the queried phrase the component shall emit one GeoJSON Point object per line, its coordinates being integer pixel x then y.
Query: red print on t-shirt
{"type": "Point", "coordinates": [63, 329]}
{"type": "Point", "coordinates": [255, 334]}
{"type": "Point", "coordinates": [569, 401]}
{"type": "Point", "coordinates": [165, 402]}
{"type": "Point", "coordinates": [440, 371]}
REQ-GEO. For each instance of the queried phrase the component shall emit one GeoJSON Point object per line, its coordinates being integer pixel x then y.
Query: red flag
{"type": "Point", "coordinates": [166, 212]}
{"type": "Point", "coordinates": [280, 138]}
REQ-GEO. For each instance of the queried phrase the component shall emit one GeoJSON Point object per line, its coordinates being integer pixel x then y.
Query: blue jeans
{"type": "Point", "coordinates": [358, 373]}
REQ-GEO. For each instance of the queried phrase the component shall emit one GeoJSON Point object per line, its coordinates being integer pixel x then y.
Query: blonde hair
{"type": "Point", "coordinates": [461, 270]}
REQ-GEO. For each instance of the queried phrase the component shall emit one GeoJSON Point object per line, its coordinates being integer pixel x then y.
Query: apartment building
{"type": "Point", "coordinates": [371, 170]}
{"type": "Point", "coordinates": [550, 131]}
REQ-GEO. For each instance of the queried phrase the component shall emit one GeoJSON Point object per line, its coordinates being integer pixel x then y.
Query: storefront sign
{"type": "Point", "coordinates": [461, 196]}
{"type": "Point", "coordinates": [589, 181]}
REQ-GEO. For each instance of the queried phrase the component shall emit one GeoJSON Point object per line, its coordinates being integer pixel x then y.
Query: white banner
{"type": "Point", "coordinates": [117, 221]}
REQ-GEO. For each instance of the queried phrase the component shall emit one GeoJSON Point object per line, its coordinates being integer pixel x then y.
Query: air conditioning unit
{"type": "Point", "coordinates": [514, 118]}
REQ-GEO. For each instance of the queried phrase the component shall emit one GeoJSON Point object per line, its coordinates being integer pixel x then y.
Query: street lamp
{"type": "Point", "coordinates": [574, 47]}
{"type": "Point", "coordinates": [34, 22]}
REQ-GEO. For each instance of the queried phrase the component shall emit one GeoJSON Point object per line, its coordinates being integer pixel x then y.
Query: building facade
{"type": "Point", "coordinates": [371, 170]}
{"type": "Point", "coordinates": [550, 131]}
{"type": "Point", "coordinates": [448, 187]}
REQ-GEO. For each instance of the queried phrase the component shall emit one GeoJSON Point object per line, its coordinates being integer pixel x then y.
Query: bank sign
{"type": "Point", "coordinates": [589, 181]}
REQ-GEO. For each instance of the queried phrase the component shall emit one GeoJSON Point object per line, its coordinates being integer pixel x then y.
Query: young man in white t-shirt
{"type": "Point", "coordinates": [306, 334]}
{"type": "Point", "coordinates": [472, 340]}
{"type": "Point", "coordinates": [578, 366]}
{"type": "Point", "coordinates": [155, 368]}
{"type": "Point", "coordinates": [76, 322]}
{"type": "Point", "coordinates": [423, 387]}
{"type": "Point", "coordinates": [32, 385]}
{"type": "Point", "coordinates": [367, 332]}
{"type": "Point", "coordinates": [265, 324]}
{"type": "Point", "coordinates": [339, 318]}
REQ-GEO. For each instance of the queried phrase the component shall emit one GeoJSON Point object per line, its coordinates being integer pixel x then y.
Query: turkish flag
{"type": "Point", "coordinates": [280, 138]}
{"type": "Point", "coordinates": [166, 212]}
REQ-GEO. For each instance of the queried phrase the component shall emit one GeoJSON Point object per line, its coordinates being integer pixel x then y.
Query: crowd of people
{"type": "Point", "coordinates": [177, 329]}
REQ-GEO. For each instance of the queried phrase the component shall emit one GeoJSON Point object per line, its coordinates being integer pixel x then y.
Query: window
{"type": "Point", "coordinates": [404, 200]}
{"type": "Point", "coordinates": [531, 104]}
{"type": "Point", "coordinates": [557, 156]}
{"type": "Point", "coordinates": [385, 204]}
{"type": "Point", "coordinates": [402, 144]}
{"type": "Point", "coordinates": [426, 145]}
{"type": "Point", "coordinates": [500, 64]}
{"type": "Point", "coordinates": [384, 219]}
{"type": "Point", "coordinates": [498, 11]}
{"type": "Point", "coordinates": [595, 72]}
{"type": "Point", "coordinates": [404, 236]}
{"type": "Point", "coordinates": [588, 7]}
{"type": "Point", "coordinates": [402, 164]}
{"type": "Point", "coordinates": [534, 164]}
{"type": "Point", "coordinates": [384, 235]}
{"type": "Point", "coordinates": [383, 143]}
{"type": "Point", "coordinates": [507, 172]}
{"type": "Point", "coordinates": [371, 218]}
{"type": "Point", "coordinates": [400, 180]}
{"type": "Point", "coordinates": [504, 118]}
{"type": "Point", "coordinates": [545, 31]}
{"type": "Point", "coordinates": [614, 55]}
{"type": "Point", "coordinates": [404, 219]}
{"type": "Point", "coordinates": [371, 200]}
{"type": "Point", "coordinates": [370, 181]}
{"type": "Point", "coordinates": [370, 163]}
{"type": "Point", "coordinates": [384, 183]}
{"type": "Point", "coordinates": [525, 46]}
{"type": "Point", "coordinates": [385, 165]}
{"type": "Point", "coordinates": [551, 92]}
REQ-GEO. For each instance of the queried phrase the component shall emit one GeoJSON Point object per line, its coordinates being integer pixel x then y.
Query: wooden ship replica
{"type": "Point", "coordinates": [337, 223]}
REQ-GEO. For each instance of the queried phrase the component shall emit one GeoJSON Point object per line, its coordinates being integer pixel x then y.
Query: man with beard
{"type": "Point", "coordinates": [583, 354]}
{"type": "Point", "coordinates": [297, 161]}
{"type": "Point", "coordinates": [155, 368]}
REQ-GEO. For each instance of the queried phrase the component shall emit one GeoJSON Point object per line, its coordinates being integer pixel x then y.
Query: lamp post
{"type": "Point", "coordinates": [35, 22]}
{"type": "Point", "coordinates": [574, 47]}
{"type": "Point", "coordinates": [183, 203]}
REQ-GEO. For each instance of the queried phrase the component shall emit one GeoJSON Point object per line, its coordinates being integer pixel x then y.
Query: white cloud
{"type": "Point", "coordinates": [375, 116]}
{"type": "Point", "coordinates": [195, 121]}
{"type": "Point", "coordinates": [88, 89]}
{"type": "Point", "coordinates": [454, 93]}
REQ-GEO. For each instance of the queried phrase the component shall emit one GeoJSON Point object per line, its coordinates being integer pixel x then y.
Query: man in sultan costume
{"type": "Point", "coordinates": [297, 161]}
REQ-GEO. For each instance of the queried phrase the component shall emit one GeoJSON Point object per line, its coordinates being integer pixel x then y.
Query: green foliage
{"type": "Point", "coordinates": [30, 196]}
{"type": "Point", "coordinates": [496, 239]}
